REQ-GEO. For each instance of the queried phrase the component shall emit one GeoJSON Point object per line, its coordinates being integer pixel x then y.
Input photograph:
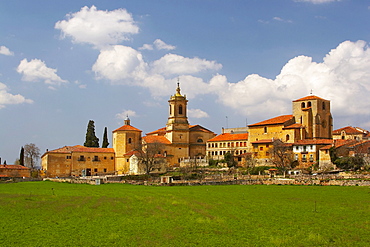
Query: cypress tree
{"type": "Point", "coordinates": [105, 139]}
{"type": "Point", "coordinates": [21, 157]}
{"type": "Point", "coordinates": [91, 139]}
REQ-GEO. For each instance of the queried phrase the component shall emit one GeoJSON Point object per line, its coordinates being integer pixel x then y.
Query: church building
{"type": "Point", "coordinates": [176, 141]}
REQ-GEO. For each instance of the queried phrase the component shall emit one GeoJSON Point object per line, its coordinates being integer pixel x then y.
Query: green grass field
{"type": "Point", "coordinates": [61, 214]}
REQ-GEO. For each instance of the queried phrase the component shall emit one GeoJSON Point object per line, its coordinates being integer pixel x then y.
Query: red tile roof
{"type": "Point", "coordinates": [79, 148]}
{"type": "Point", "coordinates": [263, 141]}
{"type": "Point", "coordinates": [154, 139]}
{"type": "Point", "coordinates": [310, 97]}
{"type": "Point", "coordinates": [229, 137]}
{"type": "Point", "coordinates": [160, 132]}
{"type": "Point", "coordinates": [294, 126]}
{"type": "Point", "coordinates": [276, 120]}
{"type": "Point", "coordinates": [197, 127]}
{"type": "Point", "coordinates": [14, 167]}
{"type": "Point", "coordinates": [349, 130]}
{"type": "Point", "coordinates": [127, 128]}
{"type": "Point", "coordinates": [314, 142]}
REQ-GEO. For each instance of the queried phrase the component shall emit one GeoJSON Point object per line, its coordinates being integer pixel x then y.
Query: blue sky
{"type": "Point", "coordinates": [63, 63]}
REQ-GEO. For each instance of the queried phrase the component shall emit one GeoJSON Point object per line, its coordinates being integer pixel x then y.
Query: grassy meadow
{"type": "Point", "coordinates": [62, 214]}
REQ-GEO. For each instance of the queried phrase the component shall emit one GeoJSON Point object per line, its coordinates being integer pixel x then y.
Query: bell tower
{"type": "Point", "coordinates": [177, 128]}
{"type": "Point", "coordinates": [314, 114]}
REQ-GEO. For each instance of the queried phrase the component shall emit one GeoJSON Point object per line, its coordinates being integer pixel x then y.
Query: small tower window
{"type": "Point", "coordinates": [265, 130]}
{"type": "Point", "coordinates": [323, 105]}
{"type": "Point", "coordinates": [287, 137]}
{"type": "Point", "coordinates": [180, 109]}
{"type": "Point", "coordinates": [129, 140]}
{"type": "Point", "coordinates": [309, 104]}
{"type": "Point", "coordinates": [303, 105]}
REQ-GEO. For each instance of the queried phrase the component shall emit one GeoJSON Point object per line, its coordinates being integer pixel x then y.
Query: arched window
{"type": "Point", "coordinates": [287, 137]}
{"type": "Point", "coordinates": [170, 109]}
{"type": "Point", "coordinates": [323, 105]}
{"type": "Point", "coordinates": [303, 105]}
{"type": "Point", "coordinates": [201, 140]}
{"type": "Point", "coordinates": [309, 104]}
{"type": "Point", "coordinates": [180, 109]}
{"type": "Point", "coordinates": [265, 130]}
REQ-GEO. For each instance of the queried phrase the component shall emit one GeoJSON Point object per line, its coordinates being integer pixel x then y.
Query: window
{"type": "Point", "coordinates": [304, 149]}
{"type": "Point", "coordinates": [261, 148]}
{"type": "Point", "coordinates": [111, 158]}
{"type": "Point", "coordinates": [323, 105]}
{"type": "Point", "coordinates": [180, 109]}
{"type": "Point", "coordinates": [311, 157]}
{"type": "Point", "coordinates": [81, 158]}
{"type": "Point", "coordinates": [129, 140]}
{"type": "Point", "coordinates": [304, 158]}
{"type": "Point", "coordinates": [105, 157]}
{"type": "Point", "coordinates": [303, 105]}
{"type": "Point", "coordinates": [265, 130]}
{"type": "Point", "coordinates": [96, 158]}
{"type": "Point", "coordinates": [287, 137]}
{"type": "Point", "coordinates": [309, 104]}
{"type": "Point", "coordinates": [170, 110]}
{"type": "Point", "coordinates": [267, 145]}
{"type": "Point", "coordinates": [68, 157]}
{"type": "Point", "coordinates": [105, 169]}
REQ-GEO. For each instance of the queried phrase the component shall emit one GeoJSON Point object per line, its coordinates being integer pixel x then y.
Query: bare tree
{"type": "Point", "coordinates": [282, 156]}
{"type": "Point", "coordinates": [31, 155]}
{"type": "Point", "coordinates": [151, 156]}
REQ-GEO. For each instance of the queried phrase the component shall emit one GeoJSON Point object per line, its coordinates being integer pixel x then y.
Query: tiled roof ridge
{"type": "Point", "coordinates": [309, 97]}
{"type": "Point", "coordinates": [230, 137]}
{"type": "Point", "coordinates": [275, 120]}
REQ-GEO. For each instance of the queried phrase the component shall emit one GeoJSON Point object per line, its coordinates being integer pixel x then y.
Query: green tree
{"type": "Point", "coordinates": [21, 157]}
{"type": "Point", "coordinates": [105, 143]}
{"type": "Point", "coordinates": [229, 159]}
{"type": "Point", "coordinates": [91, 139]}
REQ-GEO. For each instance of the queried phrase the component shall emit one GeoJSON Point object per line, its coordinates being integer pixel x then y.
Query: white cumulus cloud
{"type": "Point", "coordinates": [120, 64]}
{"type": "Point", "coordinates": [172, 64]}
{"type": "Point", "coordinates": [36, 70]}
{"type": "Point", "coordinates": [343, 77]}
{"type": "Point", "coordinates": [126, 113]}
{"type": "Point", "coordinates": [10, 99]}
{"type": "Point", "coordinates": [98, 27]}
{"type": "Point", "coordinates": [5, 51]}
{"type": "Point", "coordinates": [159, 45]}
{"type": "Point", "coordinates": [197, 113]}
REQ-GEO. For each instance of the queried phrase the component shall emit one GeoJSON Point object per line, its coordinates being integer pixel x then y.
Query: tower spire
{"type": "Point", "coordinates": [178, 88]}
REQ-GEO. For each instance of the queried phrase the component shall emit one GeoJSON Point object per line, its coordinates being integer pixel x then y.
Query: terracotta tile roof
{"type": "Point", "coordinates": [14, 167]}
{"type": "Point", "coordinates": [197, 127]}
{"type": "Point", "coordinates": [314, 142]}
{"type": "Point", "coordinates": [310, 97]}
{"type": "Point", "coordinates": [132, 152]}
{"type": "Point", "coordinates": [263, 141]}
{"type": "Point", "coordinates": [349, 130]}
{"type": "Point", "coordinates": [276, 120]}
{"type": "Point", "coordinates": [160, 132]}
{"type": "Point", "coordinates": [94, 150]}
{"type": "Point", "coordinates": [294, 126]}
{"type": "Point", "coordinates": [65, 149]}
{"type": "Point", "coordinates": [154, 139]}
{"type": "Point", "coordinates": [229, 137]}
{"type": "Point", "coordinates": [79, 148]}
{"type": "Point", "coordinates": [127, 128]}
{"type": "Point", "coordinates": [339, 142]}
{"type": "Point", "coordinates": [327, 147]}
{"type": "Point", "coordinates": [358, 143]}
